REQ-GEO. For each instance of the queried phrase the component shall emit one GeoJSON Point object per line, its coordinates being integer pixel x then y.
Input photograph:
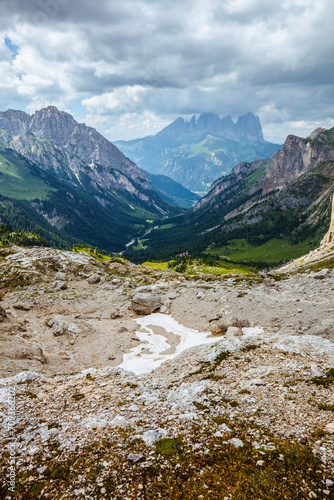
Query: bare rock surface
{"type": "Point", "coordinates": [263, 386]}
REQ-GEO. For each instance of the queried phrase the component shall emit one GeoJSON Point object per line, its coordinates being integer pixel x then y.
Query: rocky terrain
{"type": "Point", "coordinates": [132, 382]}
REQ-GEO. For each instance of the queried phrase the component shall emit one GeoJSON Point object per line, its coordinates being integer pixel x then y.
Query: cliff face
{"type": "Point", "coordinates": [296, 157]}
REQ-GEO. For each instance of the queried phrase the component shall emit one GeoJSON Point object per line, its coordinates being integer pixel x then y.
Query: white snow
{"type": "Point", "coordinates": [149, 354]}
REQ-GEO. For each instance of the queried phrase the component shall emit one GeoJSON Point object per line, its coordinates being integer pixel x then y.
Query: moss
{"type": "Point", "coordinates": [168, 446]}
{"type": "Point", "coordinates": [326, 380]}
{"type": "Point", "coordinates": [250, 347]}
{"type": "Point", "coordinates": [54, 425]}
{"type": "Point", "coordinates": [77, 396]}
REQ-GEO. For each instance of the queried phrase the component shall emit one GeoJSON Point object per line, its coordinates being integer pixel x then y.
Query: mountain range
{"type": "Point", "coordinates": [195, 153]}
{"type": "Point", "coordinates": [285, 199]}
{"type": "Point", "coordinates": [70, 183]}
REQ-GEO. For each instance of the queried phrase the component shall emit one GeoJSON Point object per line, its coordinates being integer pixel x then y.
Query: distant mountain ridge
{"type": "Point", "coordinates": [195, 153]}
{"type": "Point", "coordinates": [247, 128]}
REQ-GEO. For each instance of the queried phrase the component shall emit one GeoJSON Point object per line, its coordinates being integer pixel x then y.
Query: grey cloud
{"type": "Point", "coordinates": [190, 57]}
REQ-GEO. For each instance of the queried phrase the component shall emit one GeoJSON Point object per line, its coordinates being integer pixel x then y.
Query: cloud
{"type": "Point", "coordinates": [150, 60]}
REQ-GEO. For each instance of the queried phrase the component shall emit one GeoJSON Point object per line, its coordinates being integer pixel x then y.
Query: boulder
{"type": "Point", "coordinates": [94, 279]}
{"type": "Point", "coordinates": [59, 285]}
{"type": "Point", "coordinates": [61, 326]}
{"type": "Point", "coordinates": [115, 313]}
{"type": "Point", "coordinates": [320, 275]}
{"type": "Point", "coordinates": [220, 326]}
{"type": "Point", "coordinates": [146, 303]}
{"type": "Point", "coordinates": [23, 306]}
{"type": "Point", "coordinates": [135, 458]}
{"type": "Point", "coordinates": [60, 276]}
{"type": "Point", "coordinates": [330, 428]}
{"type": "Point", "coordinates": [233, 331]}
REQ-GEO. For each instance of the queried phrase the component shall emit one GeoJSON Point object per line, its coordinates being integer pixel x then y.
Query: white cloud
{"type": "Point", "coordinates": [149, 61]}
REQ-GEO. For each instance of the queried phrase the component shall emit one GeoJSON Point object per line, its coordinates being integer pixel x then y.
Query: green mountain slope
{"type": "Point", "coordinates": [172, 192]}
{"type": "Point", "coordinates": [63, 213]}
{"type": "Point", "coordinates": [19, 182]}
{"type": "Point", "coordinates": [285, 198]}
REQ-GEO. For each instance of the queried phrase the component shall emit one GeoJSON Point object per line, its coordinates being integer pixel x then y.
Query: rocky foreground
{"type": "Point", "coordinates": [241, 409]}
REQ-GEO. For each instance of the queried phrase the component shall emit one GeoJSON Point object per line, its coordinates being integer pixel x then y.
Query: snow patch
{"type": "Point", "coordinates": [149, 354]}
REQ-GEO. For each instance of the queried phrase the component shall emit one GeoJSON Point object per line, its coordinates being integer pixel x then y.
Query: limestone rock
{"type": "Point", "coordinates": [115, 313]}
{"type": "Point", "coordinates": [23, 306]}
{"type": "Point", "coordinates": [135, 458]}
{"type": "Point", "coordinates": [322, 274]}
{"type": "Point", "coordinates": [220, 326]}
{"type": "Point", "coordinates": [60, 276]}
{"type": "Point", "coordinates": [330, 427]}
{"type": "Point", "coordinates": [61, 326]}
{"type": "Point", "coordinates": [146, 303]}
{"type": "Point", "coordinates": [3, 314]}
{"type": "Point", "coordinates": [59, 285]}
{"type": "Point", "coordinates": [94, 279]}
{"type": "Point", "coordinates": [233, 331]}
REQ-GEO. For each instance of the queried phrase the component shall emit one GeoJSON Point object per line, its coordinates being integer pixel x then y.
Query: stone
{"type": "Point", "coordinates": [269, 282]}
{"type": "Point", "coordinates": [164, 309]}
{"type": "Point", "coordinates": [150, 437]}
{"type": "Point", "coordinates": [115, 313]}
{"type": "Point", "coordinates": [135, 458]}
{"type": "Point", "coordinates": [146, 303]}
{"type": "Point", "coordinates": [3, 314]}
{"type": "Point", "coordinates": [61, 326]}
{"type": "Point", "coordinates": [233, 331]}
{"type": "Point", "coordinates": [59, 285]}
{"type": "Point", "coordinates": [60, 276]}
{"type": "Point", "coordinates": [220, 327]}
{"type": "Point", "coordinates": [23, 306]}
{"type": "Point", "coordinates": [330, 428]}
{"type": "Point", "coordinates": [236, 442]}
{"type": "Point", "coordinates": [260, 463]}
{"type": "Point", "coordinates": [329, 483]}
{"type": "Point", "coordinates": [320, 275]}
{"type": "Point", "coordinates": [94, 279]}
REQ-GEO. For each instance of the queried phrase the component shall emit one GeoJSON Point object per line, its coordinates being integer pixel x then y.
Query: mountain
{"type": "Point", "coordinates": [284, 200]}
{"type": "Point", "coordinates": [197, 152]}
{"type": "Point", "coordinates": [172, 192]}
{"type": "Point", "coordinates": [74, 184]}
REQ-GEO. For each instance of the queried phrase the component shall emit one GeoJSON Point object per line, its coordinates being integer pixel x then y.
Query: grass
{"type": "Point", "coordinates": [178, 473]}
{"type": "Point", "coordinates": [275, 250]}
{"type": "Point", "coordinates": [156, 265]}
{"type": "Point", "coordinates": [326, 380]}
{"type": "Point", "coordinates": [17, 181]}
{"type": "Point", "coordinates": [94, 252]}
{"type": "Point", "coordinates": [196, 269]}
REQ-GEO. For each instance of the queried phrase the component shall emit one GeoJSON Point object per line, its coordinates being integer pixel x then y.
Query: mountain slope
{"type": "Point", "coordinates": [196, 153]}
{"type": "Point", "coordinates": [285, 197]}
{"type": "Point", "coordinates": [172, 192]}
{"type": "Point", "coordinates": [74, 152]}
{"type": "Point", "coordinates": [70, 182]}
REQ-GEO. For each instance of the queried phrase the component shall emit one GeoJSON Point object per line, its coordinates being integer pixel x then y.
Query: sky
{"type": "Point", "coordinates": [130, 67]}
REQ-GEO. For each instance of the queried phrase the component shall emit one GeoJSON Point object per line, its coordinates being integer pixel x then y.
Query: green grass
{"type": "Point", "coordinates": [17, 181]}
{"type": "Point", "coordinates": [94, 252]}
{"type": "Point", "coordinates": [274, 250]}
{"type": "Point", "coordinates": [156, 265]}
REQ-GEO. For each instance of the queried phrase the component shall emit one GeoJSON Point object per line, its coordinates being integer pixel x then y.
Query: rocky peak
{"type": "Point", "coordinates": [249, 126]}
{"type": "Point", "coordinates": [51, 124]}
{"type": "Point", "coordinates": [316, 132]}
